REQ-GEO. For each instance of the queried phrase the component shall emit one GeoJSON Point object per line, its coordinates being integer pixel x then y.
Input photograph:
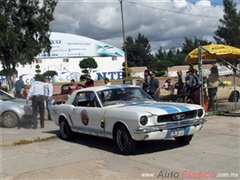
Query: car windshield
{"type": "Point", "coordinates": [122, 95]}
{"type": "Point", "coordinates": [5, 97]}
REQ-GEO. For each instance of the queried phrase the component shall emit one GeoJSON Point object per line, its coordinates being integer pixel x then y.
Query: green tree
{"type": "Point", "coordinates": [24, 32]}
{"type": "Point", "coordinates": [50, 73]}
{"type": "Point", "coordinates": [191, 44]}
{"type": "Point", "coordinates": [37, 70]}
{"type": "Point", "coordinates": [161, 54]}
{"type": "Point", "coordinates": [138, 51]}
{"type": "Point", "coordinates": [87, 64]}
{"type": "Point", "coordinates": [163, 65]}
{"type": "Point", "coordinates": [229, 31]}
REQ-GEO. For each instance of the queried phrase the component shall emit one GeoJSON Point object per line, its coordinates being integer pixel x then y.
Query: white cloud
{"type": "Point", "coordinates": [163, 22]}
{"type": "Point", "coordinates": [203, 3]}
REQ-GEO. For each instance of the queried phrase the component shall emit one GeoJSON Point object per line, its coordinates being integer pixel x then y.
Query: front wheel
{"type": "Point", "coordinates": [9, 120]}
{"type": "Point", "coordinates": [65, 130]}
{"type": "Point", "coordinates": [124, 141]}
{"type": "Point", "coordinates": [184, 139]}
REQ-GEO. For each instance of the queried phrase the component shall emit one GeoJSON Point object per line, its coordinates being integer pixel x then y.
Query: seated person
{"type": "Point", "coordinates": [24, 92]}
{"type": "Point", "coordinates": [125, 96]}
{"type": "Point", "coordinates": [168, 84]}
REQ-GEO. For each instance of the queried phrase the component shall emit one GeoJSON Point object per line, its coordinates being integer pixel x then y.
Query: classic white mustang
{"type": "Point", "coordinates": [126, 114]}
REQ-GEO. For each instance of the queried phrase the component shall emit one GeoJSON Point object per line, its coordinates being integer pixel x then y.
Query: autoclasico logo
{"type": "Point", "coordinates": [187, 174]}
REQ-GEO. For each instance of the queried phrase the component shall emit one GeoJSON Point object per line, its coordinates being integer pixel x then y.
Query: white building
{"type": "Point", "coordinates": [66, 53]}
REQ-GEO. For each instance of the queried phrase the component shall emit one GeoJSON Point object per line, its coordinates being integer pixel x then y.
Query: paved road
{"type": "Point", "coordinates": [213, 150]}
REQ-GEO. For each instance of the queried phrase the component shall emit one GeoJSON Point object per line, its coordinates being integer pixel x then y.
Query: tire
{"type": "Point", "coordinates": [125, 143]}
{"type": "Point", "coordinates": [232, 97]}
{"type": "Point", "coordinates": [65, 131]}
{"type": "Point", "coordinates": [183, 139]}
{"type": "Point", "coordinates": [10, 120]}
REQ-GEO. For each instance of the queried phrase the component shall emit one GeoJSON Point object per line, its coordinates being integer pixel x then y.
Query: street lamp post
{"type": "Point", "coordinates": [124, 41]}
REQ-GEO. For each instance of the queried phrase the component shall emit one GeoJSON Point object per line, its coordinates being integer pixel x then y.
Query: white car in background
{"type": "Point", "coordinates": [127, 115]}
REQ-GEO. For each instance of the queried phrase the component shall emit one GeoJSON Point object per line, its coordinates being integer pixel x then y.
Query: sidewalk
{"type": "Point", "coordinates": [24, 132]}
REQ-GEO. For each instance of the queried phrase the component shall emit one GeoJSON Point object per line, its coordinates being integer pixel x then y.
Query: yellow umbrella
{"type": "Point", "coordinates": [214, 51]}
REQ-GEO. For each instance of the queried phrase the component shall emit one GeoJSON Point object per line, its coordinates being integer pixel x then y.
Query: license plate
{"type": "Point", "coordinates": [177, 132]}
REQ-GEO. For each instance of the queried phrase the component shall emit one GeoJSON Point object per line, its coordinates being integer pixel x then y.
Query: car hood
{"type": "Point", "coordinates": [156, 108]}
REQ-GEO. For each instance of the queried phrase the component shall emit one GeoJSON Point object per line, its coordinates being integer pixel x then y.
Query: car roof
{"type": "Point", "coordinates": [105, 87]}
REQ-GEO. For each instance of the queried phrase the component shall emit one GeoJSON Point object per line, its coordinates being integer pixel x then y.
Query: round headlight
{"type": "Point", "coordinates": [200, 113]}
{"type": "Point", "coordinates": [143, 120]}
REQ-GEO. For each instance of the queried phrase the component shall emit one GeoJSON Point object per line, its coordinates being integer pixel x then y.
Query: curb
{"type": "Point", "coordinates": [27, 141]}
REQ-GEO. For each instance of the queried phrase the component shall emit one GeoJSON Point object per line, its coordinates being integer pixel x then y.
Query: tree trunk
{"type": "Point", "coordinates": [10, 80]}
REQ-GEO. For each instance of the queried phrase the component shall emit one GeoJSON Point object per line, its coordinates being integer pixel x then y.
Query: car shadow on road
{"type": "Point", "coordinates": [24, 125]}
{"type": "Point", "coordinates": [143, 147]}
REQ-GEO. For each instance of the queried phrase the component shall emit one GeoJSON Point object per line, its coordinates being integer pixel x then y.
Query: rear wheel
{"type": "Point", "coordinates": [9, 120]}
{"type": "Point", "coordinates": [65, 130]}
{"type": "Point", "coordinates": [184, 139]}
{"type": "Point", "coordinates": [124, 141]}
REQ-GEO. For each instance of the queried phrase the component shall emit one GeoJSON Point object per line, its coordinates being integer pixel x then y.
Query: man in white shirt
{"type": "Point", "coordinates": [37, 93]}
{"type": "Point", "coordinates": [48, 95]}
{"type": "Point", "coordinates": [106, 81]}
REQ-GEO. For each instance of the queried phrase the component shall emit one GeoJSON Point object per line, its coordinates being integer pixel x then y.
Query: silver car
{"type": "Point", "coordinates": [14, 110]}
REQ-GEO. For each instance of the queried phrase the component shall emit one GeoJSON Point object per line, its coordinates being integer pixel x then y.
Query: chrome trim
{"type": "Point", "coordinates": [142, 130]}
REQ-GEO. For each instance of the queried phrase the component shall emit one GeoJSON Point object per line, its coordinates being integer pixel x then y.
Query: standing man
{"type": "Point", "coordinates": [18, 86]}
{"type": "Point", "coordinates": [106, 81]}
{"type": "Point", "coordinates": [196, 85]}
{"type": "Point", "coordinates": [146, 81]}
{"type": "Point", "coordinates": [72, 87]}
{"type": "Point", "coordinates": [212, 83]}
{"type": "Point", "coordinates": [37, 92]}
{"type": "Point", "coordinates": [154, 87]}
{"type": "Point", "coordinates": [181, 80]}
{"type": "Point", "coordinates": [48, 95]}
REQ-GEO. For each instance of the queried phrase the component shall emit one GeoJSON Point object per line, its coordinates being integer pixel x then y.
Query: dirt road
{"type": "Point", "coordinates": [213, 150]}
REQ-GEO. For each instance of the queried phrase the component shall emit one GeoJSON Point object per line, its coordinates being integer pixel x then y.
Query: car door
{"type": "Point", "coordinates": [87, 113]}
{"type": "Point", "coordinates": [223, 92]}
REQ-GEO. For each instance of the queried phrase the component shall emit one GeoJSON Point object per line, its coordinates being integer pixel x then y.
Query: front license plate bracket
{"type": "Point", "coordinates": [177, 132]}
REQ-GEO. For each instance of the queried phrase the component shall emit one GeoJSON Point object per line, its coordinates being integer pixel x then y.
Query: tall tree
{"type": "Point", "coordinates": [24, 32]}
{"type": "Point", "coordinates": [138, 51]}
{"type": "Point", "coordinates": [229, 31]}
{"type": "Point", "coordinates": [191, 44]}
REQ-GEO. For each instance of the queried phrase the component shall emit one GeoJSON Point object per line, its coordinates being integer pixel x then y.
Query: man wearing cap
{"type": "Point", "coordinates": [37, 92]}
{"type": "Point", "coordinates": [48, 95]}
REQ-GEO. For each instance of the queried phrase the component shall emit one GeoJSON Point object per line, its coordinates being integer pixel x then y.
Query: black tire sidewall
{"type": "Point", "coordinates": [131, 144]}
{"type": "Point", "coordinates": [68, 132]}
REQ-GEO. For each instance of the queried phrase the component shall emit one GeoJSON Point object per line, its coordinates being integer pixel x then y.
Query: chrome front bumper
{"type": "Point", "coordinates": [170, 125]}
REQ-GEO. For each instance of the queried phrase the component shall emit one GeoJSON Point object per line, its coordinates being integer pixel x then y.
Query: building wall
{"type": "Point", "coordinates": [110, 67]}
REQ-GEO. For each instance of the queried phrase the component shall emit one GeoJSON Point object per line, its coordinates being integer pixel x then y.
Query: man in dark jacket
{"type": "Point", "coordinates": [18, 87]}
{"type": "Point", "coordinates": [154, 91]}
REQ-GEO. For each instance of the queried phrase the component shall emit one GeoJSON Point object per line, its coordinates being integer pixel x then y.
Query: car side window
{"type": "Point", "coordinates": [86, 99]}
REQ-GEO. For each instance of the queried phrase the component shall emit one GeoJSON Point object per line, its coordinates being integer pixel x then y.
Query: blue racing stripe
{"type": "Point", "coordinates": [186, 130]}
{"type": "Point", "coordinates": [169, 134]}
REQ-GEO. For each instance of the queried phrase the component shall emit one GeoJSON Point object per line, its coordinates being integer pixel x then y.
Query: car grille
{"type": "Point", "coordinates": [176, 116]}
